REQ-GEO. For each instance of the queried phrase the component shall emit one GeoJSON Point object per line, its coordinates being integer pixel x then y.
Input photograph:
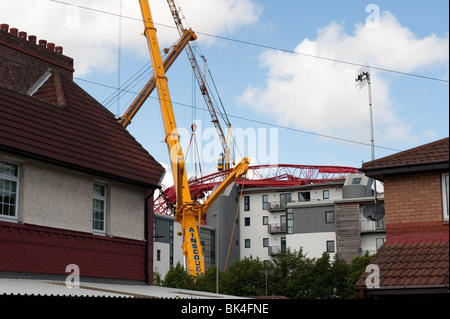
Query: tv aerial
{"type": "Point", "coordinates": [373, 212]}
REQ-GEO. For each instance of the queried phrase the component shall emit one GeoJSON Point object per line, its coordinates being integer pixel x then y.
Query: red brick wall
{"type": "Point", "coordinates": [23, 61]}
{"type": "Point", "coordinates": [45, 250]}
{"type": "Point", "coordinates": [413, 203]}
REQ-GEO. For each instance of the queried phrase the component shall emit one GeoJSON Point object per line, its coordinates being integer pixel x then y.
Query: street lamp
{"type": "Point", "coordinates": [216, 214]}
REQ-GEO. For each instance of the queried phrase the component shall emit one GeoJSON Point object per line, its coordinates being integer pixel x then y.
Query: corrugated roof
{"type": "Point", "coordinates": [411, 265]}
{"type": "Point", "coordinates": [35, 287]}
{"type": "Point", "coordinates": [82, 135]}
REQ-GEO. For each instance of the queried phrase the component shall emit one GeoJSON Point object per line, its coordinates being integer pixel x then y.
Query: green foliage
{"type": "Point", "coordinates": [291, 274]}
{"type": "Point", "coordinates": [177, 277]}
{"type": "Point", "coordinates": [245, 278]}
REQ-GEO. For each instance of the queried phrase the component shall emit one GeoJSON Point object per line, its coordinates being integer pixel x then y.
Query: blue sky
{"type": "Point", "coordinates": [300, 97]}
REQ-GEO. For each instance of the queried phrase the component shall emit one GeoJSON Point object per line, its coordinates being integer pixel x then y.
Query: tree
{"type": "Point", "coordinates": [245, 277]}
{"type": "Point", "coordinates": [178, 277]}
{"type": "Point", "coordinates": [356, 269]}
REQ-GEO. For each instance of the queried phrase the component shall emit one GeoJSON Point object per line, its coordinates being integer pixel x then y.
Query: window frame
{"type": "Point", "coordinates": [326, 191]}
{"type": "Point", "coordinates": [15, 179]}
{"type": "Point", "coordinates": [265, 203]}
{"type": "Point", "coordinates": [329, 242]}
{"type": "Point", "coordinates": [103, 199]}
{"type": "Point", "coordinates": [445, 195]}
{"type": "Point", "coordinates": [327, 213]}
{"type": "Point", "coordinates": [265, 242]}
{"type": "Point", "coordinates": [301, 197]}
{"type": "Point", "coordinates": [246, 203]}
{"type": "Point", "coordinates": [246, 221]}
{"type": "Point", "coordinates": [285, 198]}
{"type": "Point", "coordinates": [247, 243]}
{"type": "Point", "coordinates": [289, 221]}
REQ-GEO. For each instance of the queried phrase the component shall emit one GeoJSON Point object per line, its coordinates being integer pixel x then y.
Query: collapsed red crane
{"type": "Point", "coordinates": [283, 175]}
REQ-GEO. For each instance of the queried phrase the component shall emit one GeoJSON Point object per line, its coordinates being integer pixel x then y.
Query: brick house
{"type": "Point", "coordinates": [75, 186]}
{"type": "Point", "coordinates": [415, 258]}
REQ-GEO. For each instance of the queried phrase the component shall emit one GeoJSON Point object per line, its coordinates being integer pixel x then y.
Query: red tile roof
{"type": "Point", "coordinates": [431, 153]}
{"type": "Point", "coordinates": [411, 265]}
{"type": "Point", "coordinates": [82, 135]}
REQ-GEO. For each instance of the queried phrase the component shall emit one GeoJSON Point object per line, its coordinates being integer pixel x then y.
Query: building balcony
{"type": "Point", "coordinates": [273, 250]}
{"type": "Point", "coordinates": [276, 206]}
{"type": "Point", "coordinates": [276, 228]}
{"type": "Point", "coordinates": [367, 226]}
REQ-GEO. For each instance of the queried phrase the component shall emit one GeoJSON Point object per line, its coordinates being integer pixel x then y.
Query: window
{"type": "Point", "coordinates": [247, 221]}
{"type": "Point", "coordinates": [290, 221]}
{"type": "Point", "coordinates": [326, 194]}
{"type": "Point", "coordinates": [265, 220]}
{"type": "Point", "coordinates": [158, 255]}
{"type": "Point", "coordinates": [265, 242]}
{"type": "Point", "coordinates": [445, 198]}
{"type": "Point", "coordinates": [380, 242]}
{"type": "Point", "coordinates": [246, 203]}
{"type": "Point", "coordinates": [330, 246]}
{"type": "Point", "coordinates": [356, 181]}
{"type": "Point", "coordinates": [329, 217]}
{"type": "Point", "coordinates": [284, 199]}
{"type": "Point", "coordinates": [247, 243]}
{"type": "Point", "coordinates": [265, 202]}
{"type": "Point", "coordinates": [99, 209]}
{"type": "Point", "coordinates": [9, 180]}
{"type": "Point", "coordinates": [304, 196]}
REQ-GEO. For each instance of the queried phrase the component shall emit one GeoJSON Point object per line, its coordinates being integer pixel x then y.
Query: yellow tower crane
{"type": "Point", "coordinates": [187, 212]}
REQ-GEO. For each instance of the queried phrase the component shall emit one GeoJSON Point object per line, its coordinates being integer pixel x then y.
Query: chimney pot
{"type": "Point", "coordinates": [32, 39]}
{"type": "Point", "coordinates": [59, 49]}
{"type": "Point", "coordinates": [43, 43]}
{"type": "Point", "coordinates": [14, 31]}
{"type": "Point", "coordinates": [23, 35]}
{"type": "Point", "coordinates": [51, 46]}
{"type": "Point", "coordinates": [4, 27]}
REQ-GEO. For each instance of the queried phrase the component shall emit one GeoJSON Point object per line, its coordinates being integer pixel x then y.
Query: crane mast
{"type": "Point", "coordinates": [187, 212]}
{"type": "Point", "coordinates": [226, 161]}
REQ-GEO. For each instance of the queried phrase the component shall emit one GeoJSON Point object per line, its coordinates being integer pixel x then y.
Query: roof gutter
{"type": "Point", "coordinates": [407, 290]}
{"type": "Point", "coordinates": [378, 173]}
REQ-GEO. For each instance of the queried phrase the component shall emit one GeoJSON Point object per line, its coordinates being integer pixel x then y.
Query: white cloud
{"type": "Point", "coordinates": [92, 37]}
{"type": "Point", "coordinates": [320, 96]}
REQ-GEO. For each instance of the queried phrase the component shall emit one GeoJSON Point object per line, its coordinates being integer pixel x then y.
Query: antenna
{"type": "Point", "coordinates": [363, 78]}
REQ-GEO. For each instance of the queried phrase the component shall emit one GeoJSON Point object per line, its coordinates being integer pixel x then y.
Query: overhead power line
{"type": "Point", "coordinates": [251, 120]}
{"type": "Point", "coordinates": [264, 46]}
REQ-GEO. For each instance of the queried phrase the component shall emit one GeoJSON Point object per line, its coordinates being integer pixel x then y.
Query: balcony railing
{"type": "Point", "coordinates": [372, 226]}
{"type": "Point", "coordinates": [276, 228]}
{"type": "Point", "coordinates": [273, 250]}
{"type": "Point", "coordinates": [276, 206]}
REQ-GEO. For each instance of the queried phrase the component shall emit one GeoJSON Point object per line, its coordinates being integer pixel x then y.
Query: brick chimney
{"type": "Point", "coordinates": [24, 59]}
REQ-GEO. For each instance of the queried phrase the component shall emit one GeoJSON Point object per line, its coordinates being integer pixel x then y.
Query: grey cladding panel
{"type": "Point", "coordinates": [312, 220]}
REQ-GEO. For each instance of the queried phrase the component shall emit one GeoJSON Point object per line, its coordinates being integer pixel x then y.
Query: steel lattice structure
{"type": "Point", "coordinates": [284, 175]}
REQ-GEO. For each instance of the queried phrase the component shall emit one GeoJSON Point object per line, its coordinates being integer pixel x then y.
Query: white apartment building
{"type": "Point", "coordinates": [316, 218]}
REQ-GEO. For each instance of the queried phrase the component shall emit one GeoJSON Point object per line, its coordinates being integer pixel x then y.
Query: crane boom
{"type": "Point", "coordinates": [203, 88]}
{"type": "Point", "coordinates": [127, 117]}
{"type": "Point", "coordinates": [187, 212]}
